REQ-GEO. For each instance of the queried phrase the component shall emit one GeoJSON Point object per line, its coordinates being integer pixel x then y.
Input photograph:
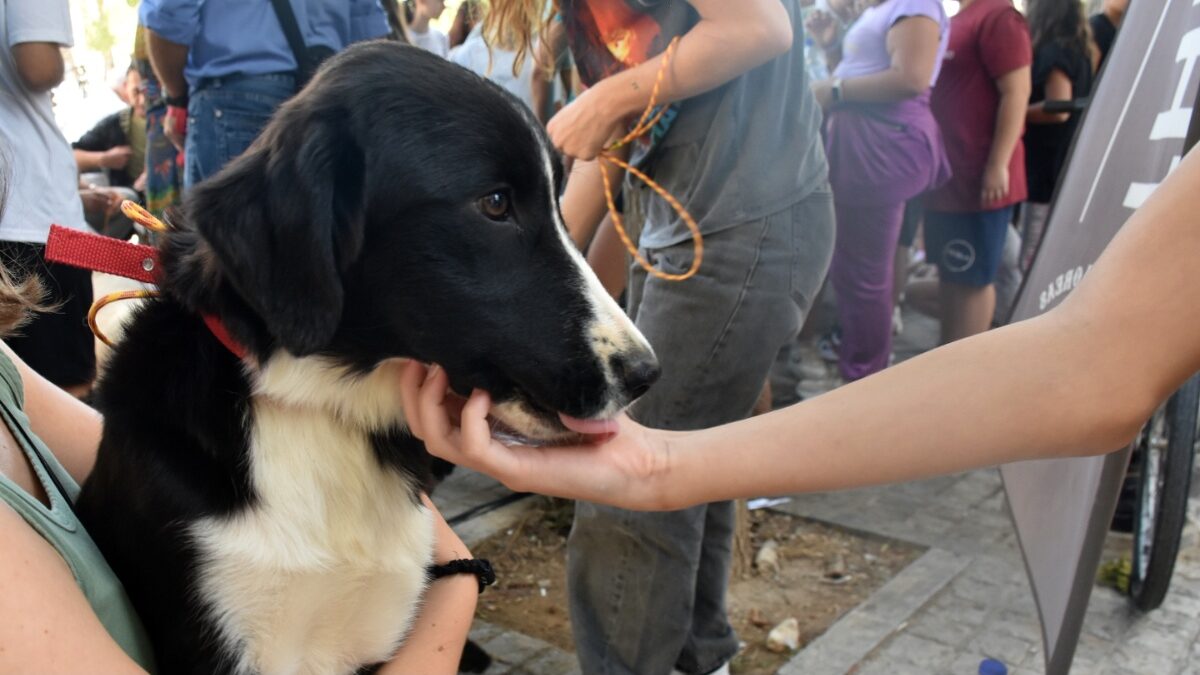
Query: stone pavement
{"type": "Point", "coordinates": [964, 599]}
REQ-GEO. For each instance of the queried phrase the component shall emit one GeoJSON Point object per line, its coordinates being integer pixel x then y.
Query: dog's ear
{"type": "Point", "coordinates": [285, 220]}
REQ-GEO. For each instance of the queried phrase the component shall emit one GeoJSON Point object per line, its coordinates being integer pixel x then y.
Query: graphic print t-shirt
{"type": "Point", "coordinates": [609, 36]}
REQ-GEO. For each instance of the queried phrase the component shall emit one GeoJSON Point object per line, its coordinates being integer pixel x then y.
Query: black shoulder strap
{"type": "Point", "coordinates": [291, 31]}
{"type": "Point", "coordinates": [1193, 132]}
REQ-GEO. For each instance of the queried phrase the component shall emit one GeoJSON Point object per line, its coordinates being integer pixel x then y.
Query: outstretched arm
{"type": "Point", "coordinates": [1078, 380]}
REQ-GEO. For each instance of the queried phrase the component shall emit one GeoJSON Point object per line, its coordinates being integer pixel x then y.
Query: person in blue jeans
{"type": "Point", "coordinates": [225, 66]}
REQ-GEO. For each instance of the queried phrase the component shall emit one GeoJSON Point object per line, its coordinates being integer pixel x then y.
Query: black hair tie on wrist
{"type": "Point", "coordinates": [482, 569]}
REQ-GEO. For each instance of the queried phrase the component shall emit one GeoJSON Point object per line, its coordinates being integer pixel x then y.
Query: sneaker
{"type": "Point", "coordinates": [723, 670]}
{"type": "Point", "coordinates": [828, 344]}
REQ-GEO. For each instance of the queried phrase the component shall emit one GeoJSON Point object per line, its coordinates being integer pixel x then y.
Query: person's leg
{"type": "Point", "coordinates": [967, 248]}
{"type": "Point", "coordinates": [647, 590]}
{"type": "Point", "coordinates": [862, 276]}
{"type": "Point", "coordinates": [1008, 277]}
{"type": "Point", "coordinates": [226, 116]}
{"type": "Point", "coordinates": [1033, 227]}
{"type": "Point", "coordinates": [966, 309]}
{"type": "Point", "coordinates": [914, 213]}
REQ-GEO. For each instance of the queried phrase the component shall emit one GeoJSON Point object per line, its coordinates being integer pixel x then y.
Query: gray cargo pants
{"type": "Point", "coordinates": [647, 590]}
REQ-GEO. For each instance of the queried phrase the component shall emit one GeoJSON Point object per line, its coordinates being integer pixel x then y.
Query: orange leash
{"type": "Point", "coordinates": [139, 215]}
{"type": "Point", "coordinates": [645, 124]}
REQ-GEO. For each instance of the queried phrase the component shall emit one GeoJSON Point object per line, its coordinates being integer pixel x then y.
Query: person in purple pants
{"type": "Point", "coordinates": [884, 148]}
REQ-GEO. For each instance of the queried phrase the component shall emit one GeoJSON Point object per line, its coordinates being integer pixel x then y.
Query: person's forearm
{"type": "Point", "coordinates": [1058, 87]}
{"type": "Point", "coordinates": [583, 203]}
{"type": "Point", "coordinates": [607, 258]}
{"type": "Point", "coordinates": [1010, 124]}
{"type": "Point", "coordinates": [1036, 114]}
{"type": "Point", "coordinates": [435, 643]}
{"type": "Point", "coordinates": [733, 39]}
{"type": "Point", "coordinates": [168, 60]}
{"type": "Point", "coordinates": [89, 160]}
{"type": "Point", "coordinates": [877, 430]}
{"type": "Point", "coordinates": [886, 86]}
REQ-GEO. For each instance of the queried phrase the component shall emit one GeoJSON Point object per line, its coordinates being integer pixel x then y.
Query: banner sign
{"type": "Point", "coordinates": [1131, 137]}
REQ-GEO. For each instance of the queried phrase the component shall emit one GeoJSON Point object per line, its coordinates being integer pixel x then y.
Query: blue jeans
{"type": "Point", "coordinates": [225, 115]}
{"type": "Point", "coordinates": [647, 590]}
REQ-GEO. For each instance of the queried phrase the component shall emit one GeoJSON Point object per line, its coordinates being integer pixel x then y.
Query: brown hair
{"type": "Point", "coordinates": [18, 299]}
{"type": "Point", "coordinates": [1061, 21]}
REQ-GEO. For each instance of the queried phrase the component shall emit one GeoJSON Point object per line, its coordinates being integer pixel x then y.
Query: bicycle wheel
{"type": "Point", "coordinates": [1166, 446]}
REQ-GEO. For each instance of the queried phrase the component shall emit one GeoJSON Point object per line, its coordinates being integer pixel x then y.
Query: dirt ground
{"type": "Point", "coordinates": [823, 573]}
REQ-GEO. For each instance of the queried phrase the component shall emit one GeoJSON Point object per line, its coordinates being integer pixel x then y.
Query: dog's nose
{"type": "Point", "coordinates": [636, 372]}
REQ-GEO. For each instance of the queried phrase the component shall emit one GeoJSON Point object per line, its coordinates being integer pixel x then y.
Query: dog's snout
{"type": "Point", "coordinates": [636, 372]}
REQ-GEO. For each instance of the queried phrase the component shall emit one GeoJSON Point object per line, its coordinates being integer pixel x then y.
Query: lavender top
{"type": "Point", "coordinates": [864, 49]}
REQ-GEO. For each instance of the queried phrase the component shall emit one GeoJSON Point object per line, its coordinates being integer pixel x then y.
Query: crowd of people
{"type": "Point", "coordinates": [803, 161]}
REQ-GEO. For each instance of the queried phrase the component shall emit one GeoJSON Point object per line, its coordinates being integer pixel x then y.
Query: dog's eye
{"type": "Point", "coordinates": [495, 205]}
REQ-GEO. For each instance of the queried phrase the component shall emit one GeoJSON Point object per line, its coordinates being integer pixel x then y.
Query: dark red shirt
{"type": "Point", "coordinates": [988, 40]}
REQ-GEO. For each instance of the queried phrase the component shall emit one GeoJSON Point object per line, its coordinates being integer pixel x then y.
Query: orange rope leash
{"type": "Point", "coordinates": [645, 124]}
{"type": "Point", "coordinates": [136, 213]}
{"type": "Point", "coordinates": [103, 301]}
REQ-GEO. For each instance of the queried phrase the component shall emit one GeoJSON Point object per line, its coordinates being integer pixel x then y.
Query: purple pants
{"type": "Point", "coordinates": [880, 156]}
{"type": "Point", "coordinates": [864, 256]}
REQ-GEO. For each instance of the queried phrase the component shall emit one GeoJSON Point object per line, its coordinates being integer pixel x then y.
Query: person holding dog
{"type": "Point", "coordinates": [739, 144]}
{"type": "Point", "coordinates": [64, 609]}
{"type": "Point", "coordinates": [74, 614]}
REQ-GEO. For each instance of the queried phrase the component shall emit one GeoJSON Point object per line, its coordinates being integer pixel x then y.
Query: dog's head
{"type": "Point", "coordinates": [401, 206]}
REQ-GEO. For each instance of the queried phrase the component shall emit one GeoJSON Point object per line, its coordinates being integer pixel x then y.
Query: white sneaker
{"type": "Point", "coordinates": [723, 670]}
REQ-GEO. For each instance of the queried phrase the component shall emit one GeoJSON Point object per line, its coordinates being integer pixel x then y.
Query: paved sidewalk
{"type": "Point", "coordinates": [965, 599]}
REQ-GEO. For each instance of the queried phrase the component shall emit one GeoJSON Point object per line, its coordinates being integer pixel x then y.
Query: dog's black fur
{"type": "Point", "coordinates": [352, 230]}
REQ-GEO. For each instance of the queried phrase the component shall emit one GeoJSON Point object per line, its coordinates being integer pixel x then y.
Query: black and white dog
{"type": "Point", "coordinates": [263, 511]}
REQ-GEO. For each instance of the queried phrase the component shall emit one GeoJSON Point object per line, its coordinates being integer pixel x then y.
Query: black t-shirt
{"type": "Point", "coordinates": [1103, 32]}
{"type": "Point", "coordinates": [107, 134]}
{"type": "Point", "coordinates": [1046, 145]}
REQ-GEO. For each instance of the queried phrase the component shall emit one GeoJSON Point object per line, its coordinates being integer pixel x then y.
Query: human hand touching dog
{"type": "Point", "coordinates": [626, 469]}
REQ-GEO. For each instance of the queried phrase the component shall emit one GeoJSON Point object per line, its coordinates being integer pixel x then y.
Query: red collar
{"type": "Point", "coordinates": [121, 258]}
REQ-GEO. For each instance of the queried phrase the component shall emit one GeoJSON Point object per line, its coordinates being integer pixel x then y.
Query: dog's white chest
{"type": "Point", "coordinates": [324, 572]}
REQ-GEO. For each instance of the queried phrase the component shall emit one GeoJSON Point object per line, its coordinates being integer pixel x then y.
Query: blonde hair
{"type": "Point", "coordinates": [18, 299]}
{"type": "Point", "coordinates": [515, 25]}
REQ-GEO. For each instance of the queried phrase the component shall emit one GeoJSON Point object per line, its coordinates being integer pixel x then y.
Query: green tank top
{"type": "Point", "coordinates": [59, 525]}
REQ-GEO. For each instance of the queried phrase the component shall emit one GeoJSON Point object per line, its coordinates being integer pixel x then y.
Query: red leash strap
{"type": "Point", "coordinates": [139, 262]}
{"type": "Point", "coordinates": [102, 254]}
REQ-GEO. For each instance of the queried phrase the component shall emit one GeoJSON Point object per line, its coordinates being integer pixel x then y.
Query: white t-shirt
{"type": "Point", "coordinates": [472, 54]}
{"type": "Point", "coordinates": [432, 40]}
{"type": "Point", "coordinates": [43, 185]}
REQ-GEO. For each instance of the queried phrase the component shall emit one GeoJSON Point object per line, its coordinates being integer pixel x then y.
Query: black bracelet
{"type": "Point", "coordinates": [482, 569]}
{"type": "Point", "coordinates": [175, 101]}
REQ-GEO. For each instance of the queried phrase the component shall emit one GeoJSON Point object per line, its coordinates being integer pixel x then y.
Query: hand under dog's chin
{"type": "Point", "coordinates": [515, 421]}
